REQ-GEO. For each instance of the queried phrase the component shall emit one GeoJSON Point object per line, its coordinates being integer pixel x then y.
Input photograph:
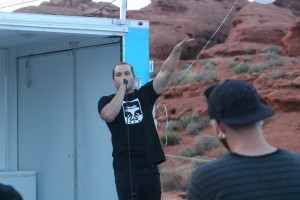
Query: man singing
{"type": "Point", "coordinates": [128, 114]}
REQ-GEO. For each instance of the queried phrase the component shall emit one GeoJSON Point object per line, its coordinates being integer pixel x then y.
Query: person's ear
{"type": "Point", "coordinates": [221, 130]}
{"type": "Point", "coordinates": [221, 127]}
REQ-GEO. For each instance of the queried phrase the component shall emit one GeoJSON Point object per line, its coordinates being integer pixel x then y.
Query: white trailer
{"type": "Point", "coordinates": [53, 70]}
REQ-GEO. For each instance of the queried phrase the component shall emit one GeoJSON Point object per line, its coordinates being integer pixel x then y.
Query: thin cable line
{"type": "Point", "coordinates": [91, 14]}
{"type": "Point", "coordinates": [19, 4]}
{"type": "Point", "coordinates": [184, 73]}
{"type": "Point", "coordinates": [173, 132]}
{"type": "Point", "coordinates": [129, 149]}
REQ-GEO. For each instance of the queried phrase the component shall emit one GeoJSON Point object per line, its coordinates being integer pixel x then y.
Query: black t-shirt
{"type": "Point", "coordinates": [136, 120]}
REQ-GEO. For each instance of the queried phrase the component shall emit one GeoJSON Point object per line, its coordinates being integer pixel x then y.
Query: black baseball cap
{"type": "Point", "coordinates": [235, 102]}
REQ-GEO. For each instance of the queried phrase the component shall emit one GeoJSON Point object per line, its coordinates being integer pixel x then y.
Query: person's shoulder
{"type": "Point", "coordinates": [108, 97]}
{"type": "Point", "coordinates": [104, 100]}
{"type": "Point", "coordinates": [149, 84]}
{"type": "Point", "coordinates": [288, 154]}
{"type": "Point", "coordinates": [213, 166]}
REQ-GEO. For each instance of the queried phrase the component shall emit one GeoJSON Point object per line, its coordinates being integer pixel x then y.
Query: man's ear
{"type": "Point", "coordinates": [220, 126]}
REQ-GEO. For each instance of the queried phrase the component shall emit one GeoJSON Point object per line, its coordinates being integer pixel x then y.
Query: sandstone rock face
{"type": "Point", "coordinates": [254, 26]}
{"type": "Point", "coordinates": [173, 20]}
{"type": "Point", "coordinates": [293, 5]}
{"type": "Point", "coordinates": [260, 23]}
{"type": "Point", "coordinates": [231, 49]}
{"type": "Point", "coordinates": [74, 8]}
{"type": "Point", "coordinates": [72, 3]}
{"type": "Point", "coordinates": [51, 10]}
{"type": "Point", "coordinates": [291, 41]}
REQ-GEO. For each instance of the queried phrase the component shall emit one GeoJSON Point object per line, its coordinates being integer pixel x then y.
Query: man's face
{"type": "Point", "coordinates": [122, 72]}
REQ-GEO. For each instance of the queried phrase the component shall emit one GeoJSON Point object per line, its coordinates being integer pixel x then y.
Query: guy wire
{"type": "Point", "coordinates": [184, 73]}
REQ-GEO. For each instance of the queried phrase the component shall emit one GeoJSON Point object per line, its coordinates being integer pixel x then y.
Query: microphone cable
{"type": "Point", "coordinates": [125, 81]}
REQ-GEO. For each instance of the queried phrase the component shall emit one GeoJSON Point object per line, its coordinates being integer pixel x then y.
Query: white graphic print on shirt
{"type": "Point", "coordinates": [132, 111]}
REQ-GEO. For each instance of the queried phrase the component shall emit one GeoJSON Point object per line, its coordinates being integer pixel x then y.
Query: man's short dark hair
{"type": "Point", "coordinates": [9, 193]}
{"type": "Point", "coordinates": [122, 63]}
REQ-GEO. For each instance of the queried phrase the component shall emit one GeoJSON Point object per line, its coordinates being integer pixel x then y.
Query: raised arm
{"type": "Point", "coordinates": [168, 67]}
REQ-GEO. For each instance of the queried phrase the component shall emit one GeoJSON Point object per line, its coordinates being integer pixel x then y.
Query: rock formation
{"type": "Point", "coordinates": [291, 41]}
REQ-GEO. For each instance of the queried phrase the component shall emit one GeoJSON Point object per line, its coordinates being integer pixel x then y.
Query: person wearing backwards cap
{"type": "Point", "coordinates": [254, 169]}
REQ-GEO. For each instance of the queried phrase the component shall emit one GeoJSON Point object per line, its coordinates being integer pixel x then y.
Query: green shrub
{"type": "Point", "coordinates": [210, 62]}
{"type": "Point", "coordinates": [248, 59]}
{"type": "Point", "coordinates": [189, 78]}
{"type": "Point", "coordinates": [173, 79]}
{"type": "Point", "coordinates": [205, 143]}
{"type": "Point", "coordinates": [198, 64]}
{"type": "Point", "coordinates": [184, 67]}
{"type": "Point", "coordinates": [178, 179]}
{"type": "Point", "coordinates": [185, 120]}
{"type": "Point", "coordinates": [237, 58]}
{"type": "Point", "coordinates": [257, 68]}
{"type": "Point", "coordinates": [274, 63]}
{"type": "Point", "coordinates": [208, 66]}
{"type": "Point", "coordinates": [170, 138]}
{"type": "Point", "coordinates": [293, 60]}
{"type": "Point", "coordinates": [213, 62]}
{"type": "Point", "coordinates": [279, 62]}
{"type": "Point", "coordinates": [181, 77]}
{"type": "Point", "coordinates": [271, 63]}
{"type": "Point", "coordinates": [203, 62]}
{"type": "Point", "coordinates": [195, 127]}
{"type": "Point", "coordinates": [272, 48]}
{"type": "Point", "coordinates": [172, 126]}
{"type": "Point", "coordinates": [206, 76]}
{"type": "Point", "coordinates": [272, 56]}
{"type": "Point", "coordinates": [231, 63]}
{"type": "Point", "coordinates": [277, 74]}
{"type": "Point", "coordinates": [170, 181]}
{"type": "Point", "coordinates": [242, 68]}
{"type": "Point", "coordinates": [188, 152]}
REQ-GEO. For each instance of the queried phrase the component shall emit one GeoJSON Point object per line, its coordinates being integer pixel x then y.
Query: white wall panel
{"type": "Point", "coordinates": [2, 111]}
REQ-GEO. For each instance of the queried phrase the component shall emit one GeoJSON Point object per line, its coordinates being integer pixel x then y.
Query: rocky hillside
{"type": "Point", "coordinates": [250, 27]}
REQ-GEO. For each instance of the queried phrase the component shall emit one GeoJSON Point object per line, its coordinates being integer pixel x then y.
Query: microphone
{"type": "Point", "coordinates": [125, 81]}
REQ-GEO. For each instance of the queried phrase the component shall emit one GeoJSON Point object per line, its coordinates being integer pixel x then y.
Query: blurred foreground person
{"type": "Point", "coordinates": [9, 193]}
{"type": "Point", "coordinates": [254, 169]}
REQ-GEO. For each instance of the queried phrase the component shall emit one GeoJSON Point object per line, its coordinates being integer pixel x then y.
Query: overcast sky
{"type": "Point", "coordinates": [131, 4]}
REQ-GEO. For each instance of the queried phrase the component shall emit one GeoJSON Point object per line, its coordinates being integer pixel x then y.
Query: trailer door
{"type": "Point", "coordinates": [46, 123]}
{"type": "Point", "coordinates": [2, 110]}
{"type": "Point", "coordinates": [94, 79]}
